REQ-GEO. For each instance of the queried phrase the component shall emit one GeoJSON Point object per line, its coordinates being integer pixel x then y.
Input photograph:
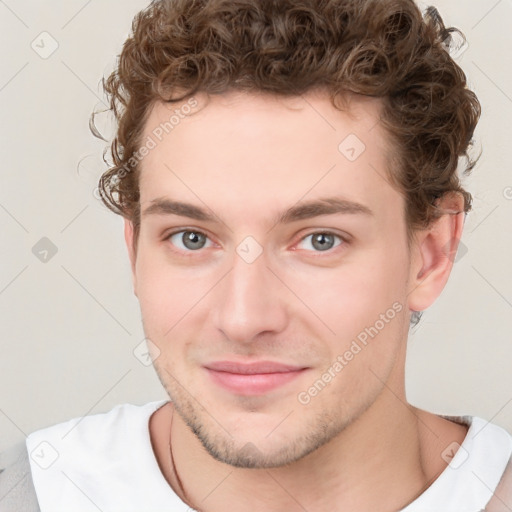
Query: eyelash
{"type": "Point", "coordinates": [189, 253]}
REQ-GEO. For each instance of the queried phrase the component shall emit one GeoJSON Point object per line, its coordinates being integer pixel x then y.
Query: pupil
{"type": "Point", "coordinates": [193, 240]}
{"type": "Point", "coordinates": [322, 241]}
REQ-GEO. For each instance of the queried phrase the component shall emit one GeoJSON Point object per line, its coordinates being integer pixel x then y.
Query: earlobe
{"type": "Point", "coordinates": [129, 239]}
{"type": "Point", "coordinates": [433, 254]}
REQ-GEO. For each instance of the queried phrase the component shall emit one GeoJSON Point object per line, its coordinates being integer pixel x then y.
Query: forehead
{"type": "Point", "coordinates": [257, 154]}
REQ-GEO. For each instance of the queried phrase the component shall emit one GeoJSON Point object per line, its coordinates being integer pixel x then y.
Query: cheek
{"type": "Point", "coordinates": [362, 356]}
{"type": "Point", "coordinates": [168, 296]}
{"type": "Point", "coordinates": [155, 291]}
{"type": "Point", "coordinates": [355, 295]}
{"type": "Point", "coordinates": [362, 303]}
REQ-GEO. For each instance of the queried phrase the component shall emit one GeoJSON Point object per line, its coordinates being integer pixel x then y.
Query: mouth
{"type": "Point", "coordinates": [254, 378]}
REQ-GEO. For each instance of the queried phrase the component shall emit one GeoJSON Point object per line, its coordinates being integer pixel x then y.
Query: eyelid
{"type": "Point", "coordinates": [182, 229]}
{"type": "Point", "coordinates": [345, 240]}
{"type": "Point", "coordinates": [168, 235]}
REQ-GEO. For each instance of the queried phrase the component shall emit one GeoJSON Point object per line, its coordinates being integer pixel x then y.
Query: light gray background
{"type": "Point", "coordinates": [69, 326]}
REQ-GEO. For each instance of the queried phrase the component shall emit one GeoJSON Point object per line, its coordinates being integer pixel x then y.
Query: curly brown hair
{"type": "Point", "coordinates": [380, 48]}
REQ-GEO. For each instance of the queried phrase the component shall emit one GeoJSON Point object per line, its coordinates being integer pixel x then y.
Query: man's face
{"type": "Point", "coordinates": [248, 283]}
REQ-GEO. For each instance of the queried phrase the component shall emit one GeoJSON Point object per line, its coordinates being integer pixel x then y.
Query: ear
{"type": "Point", "coordinates": [433, 253]}
{"type": "Point", "coordinates": [129, 239]}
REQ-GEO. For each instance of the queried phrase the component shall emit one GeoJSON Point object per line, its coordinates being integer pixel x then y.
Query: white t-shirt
{"type": "Point", "coordinates": [106, 462]}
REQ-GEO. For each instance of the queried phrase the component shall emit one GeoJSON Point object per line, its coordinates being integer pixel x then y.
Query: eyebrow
{"type": "Point", "coordinates": [300, 211]}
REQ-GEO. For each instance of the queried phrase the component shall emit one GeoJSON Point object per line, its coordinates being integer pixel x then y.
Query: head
{"type": "Point", "coordinates": [287, 172]}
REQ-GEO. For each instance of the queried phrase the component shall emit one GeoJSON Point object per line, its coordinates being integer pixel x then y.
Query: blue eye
{"type": "Point", "coordinates": [190, 240]}
{"type": "Point", "coordinates": [323, 241]}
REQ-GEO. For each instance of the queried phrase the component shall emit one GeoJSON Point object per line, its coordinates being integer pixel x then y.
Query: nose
{"type": "Point", "coordinates": [249, 301]}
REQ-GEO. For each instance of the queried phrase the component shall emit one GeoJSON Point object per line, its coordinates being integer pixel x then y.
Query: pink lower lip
{"type": "Point", "coordinates": [255, 384]}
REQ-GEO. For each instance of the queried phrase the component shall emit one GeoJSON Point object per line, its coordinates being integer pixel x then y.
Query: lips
{"type": "Point", "coordinates": [253, 378]}
{"type": "Point", "coordinates": [252, 368]}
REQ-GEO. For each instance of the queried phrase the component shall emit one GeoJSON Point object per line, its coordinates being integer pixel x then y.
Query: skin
{"type": "Point", "coordinates": [357, 444]}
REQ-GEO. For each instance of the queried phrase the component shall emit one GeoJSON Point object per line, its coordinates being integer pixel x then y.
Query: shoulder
{"type": "Point", "coordinates": [93, 459]}
{"type": "Point", "coordinates": [17, 493]}
{"type": "Point", "coordinates": [118, 418]}
{"type": "Point", "coordinates": [501, 500]}
{"type": "Point", "coordinates": [91, 434]}
{"type": "Point", "coordinates": [495, 468]}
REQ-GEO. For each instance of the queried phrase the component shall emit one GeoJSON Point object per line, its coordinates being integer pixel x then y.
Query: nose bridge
{"type": "Point", "coordinates": [249, 300]}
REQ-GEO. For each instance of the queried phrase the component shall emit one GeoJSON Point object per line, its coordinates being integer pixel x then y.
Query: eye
{"type": "Point", "coordinates": [189, 240]}
{"type": "Point", "coordinates": [322, 241]}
